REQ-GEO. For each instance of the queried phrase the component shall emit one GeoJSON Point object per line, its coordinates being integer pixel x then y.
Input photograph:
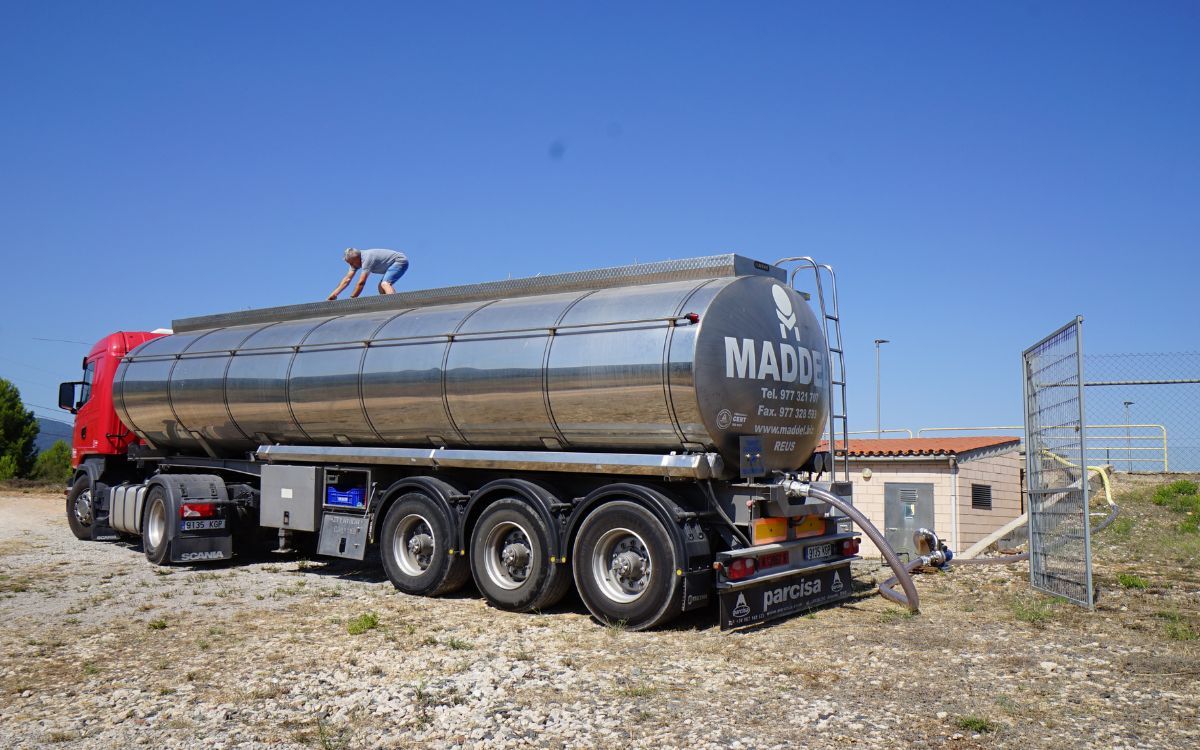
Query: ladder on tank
{"type": "Point", "coordinates": [838, 431]}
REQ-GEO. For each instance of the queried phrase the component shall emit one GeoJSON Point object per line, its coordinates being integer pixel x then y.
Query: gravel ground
{"type": "Point", "coordinates": [100, 649]}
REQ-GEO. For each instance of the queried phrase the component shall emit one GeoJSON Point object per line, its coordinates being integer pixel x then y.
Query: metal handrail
{"type": "Point", "coordinates": [804, 261]}
{"type": "Point", "coordinates": [1092, 447]}
{"type": "Point", "coordinates": [880, 432]}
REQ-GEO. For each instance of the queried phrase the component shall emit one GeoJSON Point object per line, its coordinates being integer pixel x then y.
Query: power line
{"type": "Point", "coordinates": [61, 341]}
{"type": "Point", "coordinates": [39, 406]}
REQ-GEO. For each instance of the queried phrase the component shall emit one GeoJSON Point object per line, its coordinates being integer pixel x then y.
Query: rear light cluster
{"type": "Point", "coordinates": [850, 547]}
{"type": "Point", "coordinates": [198, 510]}
{"type": "Point", "coordinates": [773, 560]}
{"type": "Point", "coordinates": [743, 567]}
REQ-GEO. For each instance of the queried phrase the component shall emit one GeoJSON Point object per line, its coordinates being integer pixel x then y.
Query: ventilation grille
{"type": "Point", "coordinates": [908, 495]}
{"type": "Point", "coordinates": [981, 496]}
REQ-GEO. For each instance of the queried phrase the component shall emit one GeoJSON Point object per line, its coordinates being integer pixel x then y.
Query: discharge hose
{"type": "Point", "coordinates": [909, 598]}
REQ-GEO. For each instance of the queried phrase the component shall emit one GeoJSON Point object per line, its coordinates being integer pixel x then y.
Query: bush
{"type": "Point", "coordinates": [53, 464]}
{"type": "Point", "coordinates": [1130, 581]}
{"type": "Point", "coordinates": [977, 724]}
{"type": "Point", "coordinates": [1183, 497]}
{"type": "Point", "coordinates": [363, 623]}
{"type": "Point", "coordinates": [8, 467]}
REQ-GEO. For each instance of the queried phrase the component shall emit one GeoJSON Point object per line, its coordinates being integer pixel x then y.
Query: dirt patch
{"type": "Point", "coordinates": [100, 649]}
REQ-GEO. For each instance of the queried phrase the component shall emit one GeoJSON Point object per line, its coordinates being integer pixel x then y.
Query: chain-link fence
{"type": "Point", "coordinates": [1143, 411]}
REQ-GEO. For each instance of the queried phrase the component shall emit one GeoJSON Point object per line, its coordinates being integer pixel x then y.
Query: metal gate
{"type": "Point", "coordinates": [1060, 552]}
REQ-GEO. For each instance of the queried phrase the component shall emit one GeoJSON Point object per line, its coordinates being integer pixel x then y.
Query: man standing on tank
{"type": "Point", "coordinates": [390, 263]}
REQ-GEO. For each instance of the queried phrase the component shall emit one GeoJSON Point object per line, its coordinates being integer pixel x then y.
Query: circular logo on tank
{"type": "Point", "coordinates": [761, 369]}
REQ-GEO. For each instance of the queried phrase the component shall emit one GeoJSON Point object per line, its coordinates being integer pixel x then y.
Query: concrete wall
{"type": "Point", "coordinates": [868, 493]}
{"type": "Point", "coordinates": [1002, 472]}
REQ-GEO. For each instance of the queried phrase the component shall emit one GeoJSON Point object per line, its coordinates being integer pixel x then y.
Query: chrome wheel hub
{"type": "Point", "coordinates": [508, 555]}
{"type": "Point", "coordinates": [414, 546]}
{"type": "Point", "coordinates": [83, 508]}
{"type": "Point", "coordinates": [621, 565]}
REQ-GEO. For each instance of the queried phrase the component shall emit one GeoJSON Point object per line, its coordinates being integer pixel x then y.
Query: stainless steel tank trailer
{"type": "Point", "coordinates": [648, 433]}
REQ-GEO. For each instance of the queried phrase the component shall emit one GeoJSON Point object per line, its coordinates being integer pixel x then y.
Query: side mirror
{"type": "Point", "coordinates": [66, 397]}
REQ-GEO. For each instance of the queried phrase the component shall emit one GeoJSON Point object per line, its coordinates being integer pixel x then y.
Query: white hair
{"type": "Point", "coordinates": [351, 253]}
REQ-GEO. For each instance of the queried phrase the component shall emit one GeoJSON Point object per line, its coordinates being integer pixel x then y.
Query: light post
{"type": "Point", "coordinates": [878, 399]}
{"type": "Point", "coordinates": [1128, 440]}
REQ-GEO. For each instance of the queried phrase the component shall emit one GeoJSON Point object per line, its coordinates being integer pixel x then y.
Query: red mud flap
{"type": "Point", "coordinates": [772, 598]}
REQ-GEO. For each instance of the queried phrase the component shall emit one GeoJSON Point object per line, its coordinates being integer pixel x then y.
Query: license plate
{"type": "Point", "coordinates": [818, 551]}
{"type": "Point", "coordinates": [779, 598]}
{"type": "Point", "coordinates": [204, 525]}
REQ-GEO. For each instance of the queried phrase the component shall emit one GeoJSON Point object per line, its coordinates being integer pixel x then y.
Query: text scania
{"type": "Point", "coordinates": [210, 555]}
{"type": "Point", "coordinates": [768, 360]}
{"type": "Point", "coordinates": [788, 593]}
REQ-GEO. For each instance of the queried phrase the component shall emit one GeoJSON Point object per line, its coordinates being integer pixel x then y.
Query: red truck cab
{"type": "Point", "coordinates": [97, 431]}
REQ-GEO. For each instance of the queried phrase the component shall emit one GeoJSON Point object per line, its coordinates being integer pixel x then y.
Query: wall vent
{"type": "Point", "coordinates": [981, 496]}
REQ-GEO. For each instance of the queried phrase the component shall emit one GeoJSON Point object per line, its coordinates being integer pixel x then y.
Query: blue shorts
{"type": "Point", "coordinates": [395, 271]}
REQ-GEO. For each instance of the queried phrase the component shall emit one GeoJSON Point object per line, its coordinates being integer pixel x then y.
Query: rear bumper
{"type": "Point", "coordinates": [769, 597]}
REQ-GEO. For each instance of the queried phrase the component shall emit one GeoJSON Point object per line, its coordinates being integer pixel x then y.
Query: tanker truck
{"type": "Point", "coordinates": [648, 434]}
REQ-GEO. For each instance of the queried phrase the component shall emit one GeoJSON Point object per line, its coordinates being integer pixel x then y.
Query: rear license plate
{"type": "Point", "coordinates": [203, 525]}
{"type": "Point", "coordinates": [818, 551]}
{"type": "Point", "coordinates": [780, 598]}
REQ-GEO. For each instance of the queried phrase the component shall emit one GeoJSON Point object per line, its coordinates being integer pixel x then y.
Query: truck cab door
{"type": "Point", "coordinates": [89, 428]}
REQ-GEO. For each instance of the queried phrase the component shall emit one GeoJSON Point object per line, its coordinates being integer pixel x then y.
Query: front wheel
{"type": "Point", "coordinates": [156, 521]}
{"type": "Point", "coordinates": [625, 567]}
{"type": "Point", "coordinates": [81, 511]}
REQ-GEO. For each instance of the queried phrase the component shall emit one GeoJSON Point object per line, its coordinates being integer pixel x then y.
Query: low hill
{"type": "Point", "coordinates": [50, 430]}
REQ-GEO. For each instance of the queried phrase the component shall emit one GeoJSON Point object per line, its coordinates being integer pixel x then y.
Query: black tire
{"type": "Point", "coordinates": [417, 565]}
{"type": "Point", "coordinates": [81, 516]}
{"type": "Point", "coordinates": [625, 567]}
{"type": "Point", "coordinates": [527, 580]}
{"type": "Point", "coordinates": [156, 527]}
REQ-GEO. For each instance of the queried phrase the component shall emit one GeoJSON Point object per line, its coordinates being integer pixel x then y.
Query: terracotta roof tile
{"type": "Point", "coordinates": [939, 446]}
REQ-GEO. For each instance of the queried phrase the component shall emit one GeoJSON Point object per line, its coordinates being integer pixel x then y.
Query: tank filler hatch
{"type": "Point", "coordinates": [707, 267]}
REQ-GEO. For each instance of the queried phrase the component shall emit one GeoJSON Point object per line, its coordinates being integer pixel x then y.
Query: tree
{"type": "Point", "coordinates": [53, 464]}
{"type": "Point", "coordinates": [18, 430]}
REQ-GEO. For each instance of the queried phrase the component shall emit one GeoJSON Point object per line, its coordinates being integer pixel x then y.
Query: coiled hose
{"type": "Point", "coordinates": [909, 598]}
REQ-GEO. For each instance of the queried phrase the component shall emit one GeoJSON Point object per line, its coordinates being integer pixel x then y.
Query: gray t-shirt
{"type": "Point", "coordinates": [377, 260]}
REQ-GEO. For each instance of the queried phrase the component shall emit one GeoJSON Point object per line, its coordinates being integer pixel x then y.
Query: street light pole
{"type": "Point", "coordinates": [878, 391]}
{"type": "Point", "coordinates": [1128, 441]}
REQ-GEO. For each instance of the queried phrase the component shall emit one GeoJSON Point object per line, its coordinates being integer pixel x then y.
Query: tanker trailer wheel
{"type": "Point", "coordinates": [415, 542]}
{"type": "Point", "coordinates": [156, 521]}
{"type": "Point", "coordinates": [625, 567]}
{"type": "Point", "coordinates": [81, 512]}
{"type": "Point", "coordinates": [510, 558]}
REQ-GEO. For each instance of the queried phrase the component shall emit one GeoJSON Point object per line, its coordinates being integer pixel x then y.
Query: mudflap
{"type": "Point", "coordinates": [194, 549]}
{"type": "Point", "coordinates": [772, 599]}
{"type": "Point", "coordinates": [102, 532]}
{"type": "Point", "coordinates": [697, 589]}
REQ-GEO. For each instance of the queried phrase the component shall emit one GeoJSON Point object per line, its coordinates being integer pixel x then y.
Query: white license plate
{"type": "Point", "coordinates": [204, 525]}
{"type": "Point", "coordinates": [817, 551]}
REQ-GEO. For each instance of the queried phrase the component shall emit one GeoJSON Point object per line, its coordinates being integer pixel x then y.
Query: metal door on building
{"type": "Point", "coordinates": [906, 508]}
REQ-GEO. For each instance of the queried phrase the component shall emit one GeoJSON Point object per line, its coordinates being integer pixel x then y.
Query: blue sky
{"type": "Point", "coordinates": [978, 173]}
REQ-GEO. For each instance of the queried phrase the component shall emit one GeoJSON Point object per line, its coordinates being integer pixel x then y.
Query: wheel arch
{"type": "Point", "coordinates": [444, 494]}
{"type": "Point", "coordinates": [666, 510]}
{"type": "Point", "coordinates": [91, 467]}
{"type": "Point", "coordinates": [541, 498]}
